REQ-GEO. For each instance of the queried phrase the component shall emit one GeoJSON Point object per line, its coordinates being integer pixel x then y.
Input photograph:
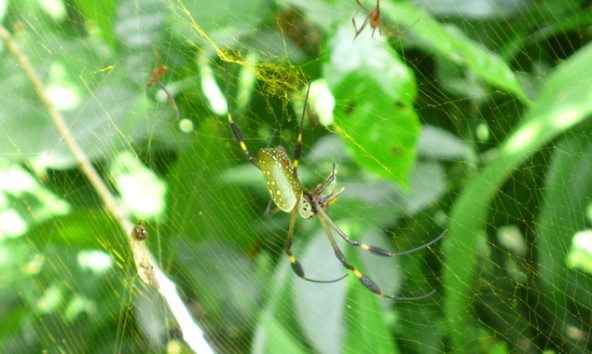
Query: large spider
{"type": "Point", "coordinates": [289, 195]}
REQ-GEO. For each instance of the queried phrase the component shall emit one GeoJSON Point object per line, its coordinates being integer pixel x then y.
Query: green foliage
{"type": "Point", "coordinates": [568, 183]}
{"type": "Point", "coordinates": [565, 101]}
{"type": "Point", "coordinates": [371, 80]}
{"type": "Point", "coordinates": [471, 120]}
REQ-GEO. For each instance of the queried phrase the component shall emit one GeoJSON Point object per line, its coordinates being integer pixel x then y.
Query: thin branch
{"type": "Point", "coordinates": [148, 269]}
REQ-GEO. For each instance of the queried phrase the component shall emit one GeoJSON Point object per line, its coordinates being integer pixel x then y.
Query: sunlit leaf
{"type": "Point", "coordinates": [376, 118]}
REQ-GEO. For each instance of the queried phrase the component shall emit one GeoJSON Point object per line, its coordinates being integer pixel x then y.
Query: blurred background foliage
{"type": "Point", "coordinates": [470, 116]}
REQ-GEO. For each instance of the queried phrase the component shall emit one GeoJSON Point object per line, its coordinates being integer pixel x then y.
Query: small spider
{"type": "Point", "coordinates": [139, 232]}
{"type": "Point", "coordinates": [157, 73]}
{"type": "Point", "coordinates": [373, 19]}
{"type": "Point", "coordinates": [289, 195]}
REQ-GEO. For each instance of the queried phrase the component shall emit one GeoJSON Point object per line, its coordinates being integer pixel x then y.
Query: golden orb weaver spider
{"type": "Point", "coordinates": [289, 195]}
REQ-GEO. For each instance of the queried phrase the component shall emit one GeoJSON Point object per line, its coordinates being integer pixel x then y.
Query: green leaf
{"type": "Point", "coordinates": [376, 118]}
{"type": "Point", "coordinates": [273, 336]}
{"type": "Point", "coordinates": [145, 28]}
{"type": "Point", "coordinates": [101, 109]}
{"type": "Point", "coordinates": [438, 143]}
{"type": "Point", "coordinates": [366, 316]}
{"type": "Point", "coordinates": [24, 201]}
{"type": "Point", "coordinates": [320, 308]}
{"type": "Point", "coordinates": [101, 14]}
{"type": "Point", "coordinates": [216, 269]}
{"type": "Point", "coordinates": [210, 208]}
{"type": "Point", "coordinates": [79, 229]}
{"type": "Point", "coordinates": [567, 197]}
{"type": "Point", "coordinates": [366, 324]}
{"type": "Point", "coordinates": [580, 253]}
{"type": "Point", "coordinates": [211, 24]}
{"type": "Point", "coordinates": [332, 321]}
{"type": "Point", "coordinates": [565, 101]}
{"type": "Point", "coordinates": [276, 327]}
{"type": "Point", "coordinates": [453, 45]}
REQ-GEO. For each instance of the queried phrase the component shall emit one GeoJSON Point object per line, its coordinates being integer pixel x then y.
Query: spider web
{"type": "Point", "coordinates": [470, 117]}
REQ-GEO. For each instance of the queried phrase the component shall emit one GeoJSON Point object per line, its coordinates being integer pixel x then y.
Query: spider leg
{"type": "Point", "coordinates": [390, 29]}
{"type": "Point", "coordinates": [237, 133]}
{"type": "Point", "coordinates": [375, 250]}
{"type": "Point", "coordinates": [298, 146]}
{"type": "Point", "coordinates": [368, 283]}
{"type": "Point", "coordinates": [320, 188]}
{"type": "Point", "coordinates": [326, 200]}
{"type": "Point", "coordinates": [362, 6]}
{"type": "Point", "coordinates": [379, 30]}
{"type": "Point", "coordinates": [171, 98]}
{"type": "Point", "coordinates": [274, 134]}
{"type": "Point", "coordinates": [269, 210]}
{"type": "Point", "coordinates": [296, 266]}
{"type": "Point", "coordinates": [364, 24]}
{"type": "Point", "coordinates": [354, 21]}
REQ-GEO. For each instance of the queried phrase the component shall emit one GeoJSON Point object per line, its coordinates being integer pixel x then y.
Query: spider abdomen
{"type": "Point", "coordinates": [282, 183]}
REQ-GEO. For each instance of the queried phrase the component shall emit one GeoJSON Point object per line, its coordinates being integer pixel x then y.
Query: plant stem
{"type": "Point", "coordinates": [148, 269]}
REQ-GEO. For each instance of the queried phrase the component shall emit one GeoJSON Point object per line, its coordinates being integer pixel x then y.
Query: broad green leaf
{"type": "Point", "coordinates": [453, 45]}
{"type": "Point", "coordinates": [79, 229]}
{"type": "Point", "coordinates": [320, 308]}
{"type": "Point", "coordinates": [276, 326]}
{"type": "Point", "coordinates": [102, 110]}
{"type": "Point", "coordinates": [273, 336]}
{"type": "Point", "coordinates": [61, 289]}
{"type": "Point", "coordinates": [216, 269]}
{"type": "Point", "coordinates": [375, 118]}
{"type": "Point", "coordinates": [366, 313]}
{"type": "Point", "coordinates": [366, 324]}
{"type": "Point", "coordinates": [438, 143]}
{"type": "Point", "coordinates": [567, 197]}
{"type": "Point", "coordinates": [25, 202]}
{"type": "Point", "coordinates": [470, 9]}
{"type": "Point", "coordinates": [208, 22]}
{"type": "Point", "coordinates": [565, 101]}
{"type": "Point", "coordinates": [580, 253]}
{"type": "Point", "coordinates": [338, 321]}
{"type": "Point", "coordinates": [100, 14]}
{"type": "Point", "coordinates": [137, 29]}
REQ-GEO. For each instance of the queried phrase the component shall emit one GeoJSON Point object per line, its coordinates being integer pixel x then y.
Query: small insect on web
{"type": "Point", "coordinates": [373, 19]}
{"type": "Point", "coordinates": [289, 195]}
{"type": "Point", "coordinates": [156, 74]}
